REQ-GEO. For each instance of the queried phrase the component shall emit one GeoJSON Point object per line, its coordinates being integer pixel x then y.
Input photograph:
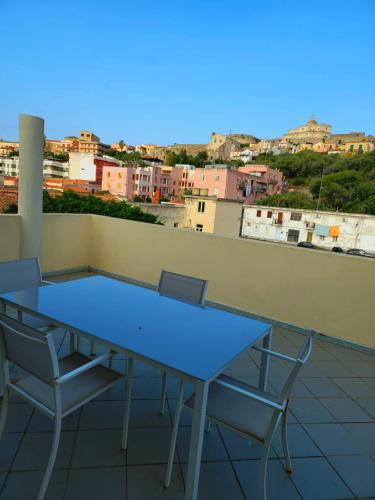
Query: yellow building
{"type": "Point", "coordinates": [311, 132]}
{"type": "Point", "coordinates": [90, 143]}
{"type": "Point", "coordinates": [359, 147]}
{"type": "Point", "coordinates": [209, 214]}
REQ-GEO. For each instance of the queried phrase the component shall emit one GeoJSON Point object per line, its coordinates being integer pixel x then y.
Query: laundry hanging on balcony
{"type": "Point", "coordinates": [334, 230]}
{"type": "Point", "coordinates": [321, 230]}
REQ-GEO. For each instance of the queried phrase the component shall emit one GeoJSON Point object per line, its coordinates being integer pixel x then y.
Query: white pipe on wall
{"type": "Point", "coordinates": [30, 192]}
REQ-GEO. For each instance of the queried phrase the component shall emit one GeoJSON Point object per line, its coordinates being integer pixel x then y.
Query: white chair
{"type": "Point", "coordinates": [247, 410]}
{"type": "Point", "coordinates": [187, 289]}
{"type": "Point", "coordinates": [55, 387]}
{"type": "Point", "coordinates": [18, 275]}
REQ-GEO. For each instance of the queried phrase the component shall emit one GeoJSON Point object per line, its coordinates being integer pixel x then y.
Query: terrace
{"type": "Point", "coordinates": [332, 411]}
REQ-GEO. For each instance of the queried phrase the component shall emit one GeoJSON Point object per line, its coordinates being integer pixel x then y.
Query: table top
{"type": "Point", "coordinates": [197, 341]}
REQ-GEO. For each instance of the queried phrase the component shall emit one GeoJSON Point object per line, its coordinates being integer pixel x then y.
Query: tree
{"type": "Point", "coordinates": [288, 200]}
{"type": "Point", "coordinates": [70, 202]}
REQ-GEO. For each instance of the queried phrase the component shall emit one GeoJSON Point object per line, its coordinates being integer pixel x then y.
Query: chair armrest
{"type": "Point", "coordinates": [276, 354]}
{"type": "Point", "coordinates": [84, 368]}
{"type": "Point", "coordinates": [45, 282]}
{"type": "Point", "coordinates": [251, 395]}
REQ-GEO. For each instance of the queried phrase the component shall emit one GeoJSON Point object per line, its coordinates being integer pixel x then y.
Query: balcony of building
{"type": "Point", "coordinates": [332, 417]}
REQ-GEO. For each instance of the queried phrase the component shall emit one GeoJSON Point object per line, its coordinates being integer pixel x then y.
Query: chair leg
{"type": "Point", "coordinates": [4, 410]}
{"type": "Point", "coordinates": [163, 393]}
{"type": "Point", "coordinates": [172, 450]}
{"type": "Point", "coordinates": [263, 471]}
{"type": "Point", "coordinates": [284, 434]}
{"type": "Point", "coordinates": [51, 460]}
{"type": "Point", "coordinates": [128, 397]}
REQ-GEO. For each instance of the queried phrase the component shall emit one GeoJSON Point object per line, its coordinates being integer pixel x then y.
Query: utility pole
{"type": "Point", "coordinates": [320, 189]}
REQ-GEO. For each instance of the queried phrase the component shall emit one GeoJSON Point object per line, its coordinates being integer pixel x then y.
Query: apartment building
{"type": "Point", "coordinates": [209, 214]}
{"type": "Point", "coordinates": [181, 179]}
{"type": "Point", "coordinates": [89, 167]}
{"type": "Point", "coordinates": [7, 147]}
{"type": "Point", "coordinates": [51, 168]}
{"type": "Point", "coordinates": [323, 229]}
{"type": "Point", "coordinates": [231, 184]}
{"type": "Point", "coordinates": [271, 177]}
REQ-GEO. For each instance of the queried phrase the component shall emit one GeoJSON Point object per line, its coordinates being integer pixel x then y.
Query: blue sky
{"type": "Point", "coordinates": [173, 71]}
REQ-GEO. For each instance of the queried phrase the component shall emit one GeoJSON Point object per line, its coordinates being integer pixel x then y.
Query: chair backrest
{"type": "Point", "coordinates": [30, 349]}
{"type": "Point", "coordinates": [19, 275]}
{"type": "Point", "coordinates": [302, 358]}
{"type": "Point", "coordinates": [182, 287]}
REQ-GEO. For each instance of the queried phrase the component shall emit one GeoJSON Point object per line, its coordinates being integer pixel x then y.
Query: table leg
{"type": "Point", "coordinates": [264, 365]}
{"type": "Point", "coordinates": [196, 440]}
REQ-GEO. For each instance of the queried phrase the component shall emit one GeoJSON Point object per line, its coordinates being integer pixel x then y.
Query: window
{"type": "Point", "coordinates": [118, 186]}
{"type": "Point", "coordinates": [217, 177]}
{"type": "Point", "coordinates": [119, 175]}
{"type": "Point", "coordinates": [108, 174]}
{"type": "Point", "coordinates": [175, 224]}
{"type": "Point", "coordinates": [296, 216]}
{"type": "Point", "coordinates": [321, 238]}
{"type": "Point", "coordinates": [202, 177]}
{"type": "Point", "coordinates": [259, 213]}
{"type": "Point", "coordinates": [216, 191]}
{"type": "Point", "coordinates": [293, 235]}
{"type": "Point", "coordinates": [199, 227]}
{"type": "Point", "coordinates": [269, 214]}
{"type": "Point", "coordinates": [201, 206]}
{"type": "Point", "coordinates": [334, 238]}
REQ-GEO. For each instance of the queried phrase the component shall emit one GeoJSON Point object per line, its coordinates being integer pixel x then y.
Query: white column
{"type": "Point", "coordinates": [30, 191]}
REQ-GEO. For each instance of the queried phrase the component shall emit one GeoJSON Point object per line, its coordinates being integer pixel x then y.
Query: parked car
{"type": "Point", "coordinates": [337, 249]}
{"type": "Point", "coordinates": [359, 252]}
{"type": "Point", "coordinates": [305, 244]}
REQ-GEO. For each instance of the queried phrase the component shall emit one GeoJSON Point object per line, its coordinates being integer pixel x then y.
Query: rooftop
{"type": "Point", "coordinates": [331, 435]}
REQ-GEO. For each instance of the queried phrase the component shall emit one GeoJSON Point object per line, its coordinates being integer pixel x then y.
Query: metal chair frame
{"type": "Point", "coordinates": [279, 407]}
{"type": "Point", "coordinates": [43, 340]}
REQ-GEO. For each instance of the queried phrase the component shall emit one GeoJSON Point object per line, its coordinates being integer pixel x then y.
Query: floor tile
{"type": "Point", "coordinates": [186, 416]}
{"type": "Point", "coordinates": [145, 413]}
{"type": "Point", "coordinates": [300, 443]}
{"type": "Point", "coordinates": [361, 368]}
{"type": "Point", "coordinates": [345, 410]}
{"type": "Point", "coordinates": [368, 404]}
{"type": "Point", "coordinates": [279, 485]}
{"type": "Point", "coordinates": [315, 479]}
{"type": "Point", "coordinates": [240, 447]}
{"type": "Point", "coordinates": [213, 448]}
{"type": "Point", "coordinates": [323, 387]}
{"type": "Point", "coordinates": [9, 444]}
{"type": "Point", "coordinates": [36, 447]}
{"type": "Point", "coordinates": [355, 387]}
{"type": "Point", "coordinates": [358, 472]}
{"type": "Point", "coordinates": [143, 370]}
{"type": "Point", "coordinates": [148, 446]}
{"type": "Point", "coordinates": [41, 423]}
{"type": "Point", "coordinates": [243, 368]}
{"type": "Point", "coordinates": [150, 388]}
{"type": "Point", "coordinates": [97, 484]}
{"type": "Point", "coordinates": [310, 410]}
{"type": "Point", "coordinates": [102, 415]}
{"type": "Point", "coordinates": [217, 481]}
{"type": "Point", "coordinates": [363, 434]}
{"type": "Point", "coordinates": [25, 485]}
{"type": "Point", "coordinates": [146, 482]}
{"type": "Point", "coordinates": [326, 369]}
{"type": "Point", "coordinates": [18, 417]}
{"type": "Point", "coordinates": [333, 439]}
{"type": "Point", "coordinates": [114, 393]}
{"type": "Point", "coordinates": [100, 448]}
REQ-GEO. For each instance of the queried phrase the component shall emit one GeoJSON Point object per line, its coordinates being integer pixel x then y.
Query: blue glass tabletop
{"type": "Point", "coordinates": [197, 341]}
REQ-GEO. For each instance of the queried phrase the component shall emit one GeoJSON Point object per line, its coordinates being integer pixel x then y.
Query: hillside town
{"type": "Point", "coordinates": [217, 187]}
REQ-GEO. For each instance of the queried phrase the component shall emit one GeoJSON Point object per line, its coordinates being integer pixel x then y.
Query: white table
{"type": "Point", "coordinates": [193, 342]}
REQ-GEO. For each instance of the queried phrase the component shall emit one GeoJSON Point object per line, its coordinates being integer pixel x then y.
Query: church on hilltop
{"type": "Point", "coordinates": [312, 132]}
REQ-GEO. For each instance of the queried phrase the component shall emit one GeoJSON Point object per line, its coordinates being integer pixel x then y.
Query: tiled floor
{"type": "Point", "coordinates": [331, 435]}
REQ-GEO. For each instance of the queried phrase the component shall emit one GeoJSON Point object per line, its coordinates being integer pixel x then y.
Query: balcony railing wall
{"type": "Point", "coordinates": [310, 289]}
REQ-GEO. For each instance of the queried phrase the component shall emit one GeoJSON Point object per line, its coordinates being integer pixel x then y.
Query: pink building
{"type": "Point", "coordinates": [271, 177]}
{"type": "Point", "coordinates": [230, 184]}
{"type": "Point", "coordinates": [181, 179]}
{"type": "Point", "coordinates": [119, 181]}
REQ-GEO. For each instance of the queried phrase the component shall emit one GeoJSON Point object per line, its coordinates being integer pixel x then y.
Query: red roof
{"type": "Point", "coordinates": [7, 197]}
